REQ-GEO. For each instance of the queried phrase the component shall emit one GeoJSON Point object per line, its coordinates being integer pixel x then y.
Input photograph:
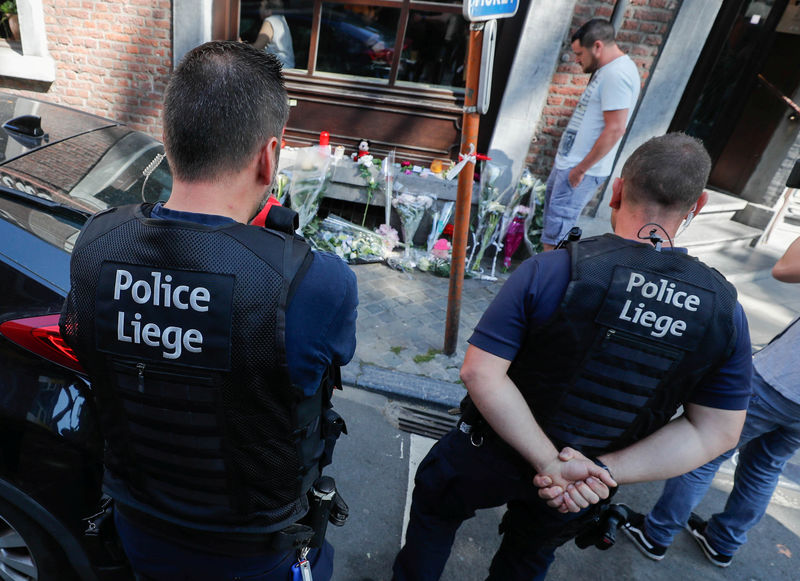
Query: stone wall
{"type": "Point", "coordinates": [112, 59]}
{"type": "Point", "coordinates": [641, 36]}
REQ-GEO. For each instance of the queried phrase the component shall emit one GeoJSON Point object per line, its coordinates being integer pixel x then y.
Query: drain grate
{"type": "Point", "coordinates": [432, 423]}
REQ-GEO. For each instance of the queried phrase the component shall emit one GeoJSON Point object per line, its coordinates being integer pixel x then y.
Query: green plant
{"type": "Point", "coordinates": [7, 8]}
{"type": "Point", "coordinates": [427, 357]}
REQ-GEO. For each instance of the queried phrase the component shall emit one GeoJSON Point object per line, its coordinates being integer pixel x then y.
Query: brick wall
{"type": "Point", "coordinates": [112, 58]}
{"type": "Point", "coordinates": [641, 36]}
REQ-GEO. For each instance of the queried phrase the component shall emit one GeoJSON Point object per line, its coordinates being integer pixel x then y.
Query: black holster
{"type": "Point", "coordinates": [325, 505]}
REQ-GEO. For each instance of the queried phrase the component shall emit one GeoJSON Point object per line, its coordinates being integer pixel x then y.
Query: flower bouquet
{"type": "Point", "coordinates": [351, 242]}
{"type": "Point", "coordinates": [307, 183]}
{"type": "Point", "coordinates": [490, 210]}
{"type": "Point", "coordinates": [411, 208]}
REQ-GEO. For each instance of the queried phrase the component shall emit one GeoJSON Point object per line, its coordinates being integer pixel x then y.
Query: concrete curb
{"type": "Point", "coordinates": [405, 386]}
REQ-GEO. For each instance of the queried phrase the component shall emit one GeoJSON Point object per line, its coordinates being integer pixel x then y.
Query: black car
{"type": "Point", "coordinates": [57, 167]}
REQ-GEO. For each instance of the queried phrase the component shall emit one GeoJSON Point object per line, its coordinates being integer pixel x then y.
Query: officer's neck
{"type": "Point", "coordinates": [634, 226]}
{"type": "Point", "coordinates": [234, 197]}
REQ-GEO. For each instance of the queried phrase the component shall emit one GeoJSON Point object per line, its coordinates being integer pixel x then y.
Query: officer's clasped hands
{"type": "Point", "coordinates": [573, 482]}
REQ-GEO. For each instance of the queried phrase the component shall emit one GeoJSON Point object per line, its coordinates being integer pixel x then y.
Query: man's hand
{"type": "Point", "coordinates": [572, 482]}
{"type": "Point", "coordinates": [575, 176]}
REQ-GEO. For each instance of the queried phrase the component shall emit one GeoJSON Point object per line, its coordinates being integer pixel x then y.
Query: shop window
{"type": "Point", "coordinates": [393, 42]}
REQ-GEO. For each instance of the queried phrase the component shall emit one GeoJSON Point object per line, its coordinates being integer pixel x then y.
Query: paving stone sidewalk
{"type": "Point", "coordinates": [401, 330]}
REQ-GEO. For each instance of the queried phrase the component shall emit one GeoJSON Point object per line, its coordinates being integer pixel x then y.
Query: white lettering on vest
{"type": "Point", "coordinates": [661, 291]}
{"type": "Point", "coordinates": [160, 293]}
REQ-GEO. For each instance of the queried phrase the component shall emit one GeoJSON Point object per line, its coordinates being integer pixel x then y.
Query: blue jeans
{"type": "Point", "coordinates": [452, 482]}
{"type": "Point", "coordinates": [770, 437]}
{"type": "Point", "coordinates": [155, 558]}
{"type": "Point", "coordinates": [563, 204]}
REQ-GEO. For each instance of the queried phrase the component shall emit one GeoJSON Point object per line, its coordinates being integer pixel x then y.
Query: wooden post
{"type": "Point", "coordinates": [469, 144]}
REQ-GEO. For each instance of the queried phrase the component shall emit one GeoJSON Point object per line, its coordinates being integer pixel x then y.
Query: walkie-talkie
{"type": "Point", "coordinates": [573, 235]}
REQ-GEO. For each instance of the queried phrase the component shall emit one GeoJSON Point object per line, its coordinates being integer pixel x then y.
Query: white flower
{"type": "Point", "coordinates": [492, 172]}
{"type": "Point", "coordinates": [426, 201]}
{"type": "Point", "coordinates": [521, 210]}
{"type": "Point", "coordinates": [495, 207]}
{"type": "Point", "coordinates": [527, 180]}
{"type": "Point", "coordinates": [365, 160]}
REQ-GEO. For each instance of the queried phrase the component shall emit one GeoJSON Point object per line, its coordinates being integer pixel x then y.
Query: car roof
{"type": "Point", "coordinates": [57, 123]}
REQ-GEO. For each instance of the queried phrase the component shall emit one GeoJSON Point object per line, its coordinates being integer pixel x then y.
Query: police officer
{"type": "Point", "coordinates": [589, 350]}
{"type": "Point", "coordinates": [213, 346]}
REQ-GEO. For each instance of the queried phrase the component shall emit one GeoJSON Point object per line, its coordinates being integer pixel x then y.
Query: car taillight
{"type": "Point", "coordinates": [41, 336]}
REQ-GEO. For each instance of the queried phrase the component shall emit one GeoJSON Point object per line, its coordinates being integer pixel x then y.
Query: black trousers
{"type": "Point", "coordinates": [454, 480]}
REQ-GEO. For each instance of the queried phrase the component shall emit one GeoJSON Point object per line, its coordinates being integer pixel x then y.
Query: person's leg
{"type": "Point", "coordinates": [154, 558]}
{"type": "Point", "coordinates": [548, 193]}
{"type": "Point", "coordinates": [531, 533]}
{"type": "Point", "coordinates": [678, 499]}
{"type": "Point", "coordinates": [565, 205]}
{"type": "Point", "coordinates": [453, 480]}
{"type": "Point", "coordinates": [760, 465]}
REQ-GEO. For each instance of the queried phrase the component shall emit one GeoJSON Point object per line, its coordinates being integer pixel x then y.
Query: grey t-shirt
{"type": "Point", "coordinates": [777, 365]}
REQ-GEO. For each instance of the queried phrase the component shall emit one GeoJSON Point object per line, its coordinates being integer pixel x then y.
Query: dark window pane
{"type": "Point", "coordinates": [434, 49]}
{"type": "Point", "coordinates": [280, 27]}
{"type": "Point", "coordinates": [357, 40]}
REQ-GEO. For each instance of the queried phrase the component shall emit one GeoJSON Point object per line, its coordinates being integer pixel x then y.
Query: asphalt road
{"type": "Point", "coordinates": [372, 466]}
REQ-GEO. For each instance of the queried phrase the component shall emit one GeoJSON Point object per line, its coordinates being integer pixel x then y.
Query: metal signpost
{"type": "Point", "coordinates": [476, 101]}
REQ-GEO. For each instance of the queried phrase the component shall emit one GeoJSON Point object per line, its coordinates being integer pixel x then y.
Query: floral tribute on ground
{"type": "Point", "coordinates": [503, 221]}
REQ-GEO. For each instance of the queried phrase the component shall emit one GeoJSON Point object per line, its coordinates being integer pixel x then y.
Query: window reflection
{"type": "Point", "coordinates": [270, 25]}
{"type": "Point", "coordinates": [436, 47]}
{"type": "Point", "coordinates": [357, 40]}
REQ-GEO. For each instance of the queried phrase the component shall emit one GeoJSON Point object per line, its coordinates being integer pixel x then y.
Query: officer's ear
{"type": "Point", "coordinates": [268, 161]}
{"type": "Point", "coordinates": [701, 201]}
{"type": "Point", "coordinates": [616, 193]}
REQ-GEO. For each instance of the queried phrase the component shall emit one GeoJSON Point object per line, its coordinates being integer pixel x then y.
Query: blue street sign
{"type": "Point", "coordinates": [476, 10]}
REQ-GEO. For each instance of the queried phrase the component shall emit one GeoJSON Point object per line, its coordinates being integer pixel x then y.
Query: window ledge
{"type": "Point", "coordinates": [16, 65]}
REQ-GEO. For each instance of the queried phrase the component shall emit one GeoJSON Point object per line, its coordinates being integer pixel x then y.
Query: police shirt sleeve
{"type": "Point", "coordinates": [320, 321]}
{"type": "Point", "coordinates": [529, 297]}
{"type": "Point", "coordinates": [729, 388]}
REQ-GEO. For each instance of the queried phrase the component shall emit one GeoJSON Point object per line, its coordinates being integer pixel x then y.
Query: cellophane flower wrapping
{"type": "Point", "coordinates": [307, 183]}
{"type": "Point", "coordinates": [349, 241]}
{"type": "Point", "coordinates": [411, 208]}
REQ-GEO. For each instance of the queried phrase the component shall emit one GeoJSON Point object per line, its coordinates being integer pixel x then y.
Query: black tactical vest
{"type": "Point", "coordinates": [181, 328]}
{"type": "Point", "coordinates": [636, 331]}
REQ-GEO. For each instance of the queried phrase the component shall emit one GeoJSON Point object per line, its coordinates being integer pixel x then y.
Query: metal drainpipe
{"type": "Point", "coordinates": [618, 15]}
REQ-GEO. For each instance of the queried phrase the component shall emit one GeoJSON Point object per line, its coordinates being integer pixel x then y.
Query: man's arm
{"type": "Point", "coordinates": [787, 269]}
{"type": "Point", "coordinates": [615, 122]}
{"type": "Point", "coordinates": [502, 405]}
{"type": "Point", "coordinates": [700, 435]}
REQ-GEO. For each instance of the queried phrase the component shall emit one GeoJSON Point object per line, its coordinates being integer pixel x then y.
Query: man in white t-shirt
{"type": "Point", "coordinates": [590, 141]}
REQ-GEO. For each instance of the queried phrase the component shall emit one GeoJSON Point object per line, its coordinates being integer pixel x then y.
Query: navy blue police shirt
{"type": "Point", "coordinates": [534, 291]}
{"type": "Point", "coordinates": [318, 332]}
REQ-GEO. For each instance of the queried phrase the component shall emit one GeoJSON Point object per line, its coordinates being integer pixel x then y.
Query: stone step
{"type": "Point", "coordinates": [740, 263]}
{"type": "Point", "coordinates": [718, 235]}
{"type": "Point", "coordinates": [719, 202]}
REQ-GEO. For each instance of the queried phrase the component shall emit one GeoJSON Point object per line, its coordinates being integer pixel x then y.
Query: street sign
{"type": "Point", "coordinates": [477, 10]}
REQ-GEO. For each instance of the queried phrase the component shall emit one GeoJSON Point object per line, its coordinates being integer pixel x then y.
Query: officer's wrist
{"type": "Point", "coordinates": [602, 465]}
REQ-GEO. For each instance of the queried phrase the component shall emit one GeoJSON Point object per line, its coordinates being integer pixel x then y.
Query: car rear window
{"type": "Point", "coordinates": [93, 171]}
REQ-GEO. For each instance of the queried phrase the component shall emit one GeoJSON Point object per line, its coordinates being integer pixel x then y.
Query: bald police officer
{"type": "Point", "coordinates": [589, 350]}
{"type": "Point", "coordinates": [212, 345]}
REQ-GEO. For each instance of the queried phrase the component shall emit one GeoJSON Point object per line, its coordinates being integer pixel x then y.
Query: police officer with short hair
{"type": "Point", "coordinates": [213, 345]}
{"type": "Point", "coordinates": [589, 350]}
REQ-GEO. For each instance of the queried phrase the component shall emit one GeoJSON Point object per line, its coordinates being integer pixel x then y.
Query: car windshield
{"type": "Point", "coordinates": [93, 171]}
